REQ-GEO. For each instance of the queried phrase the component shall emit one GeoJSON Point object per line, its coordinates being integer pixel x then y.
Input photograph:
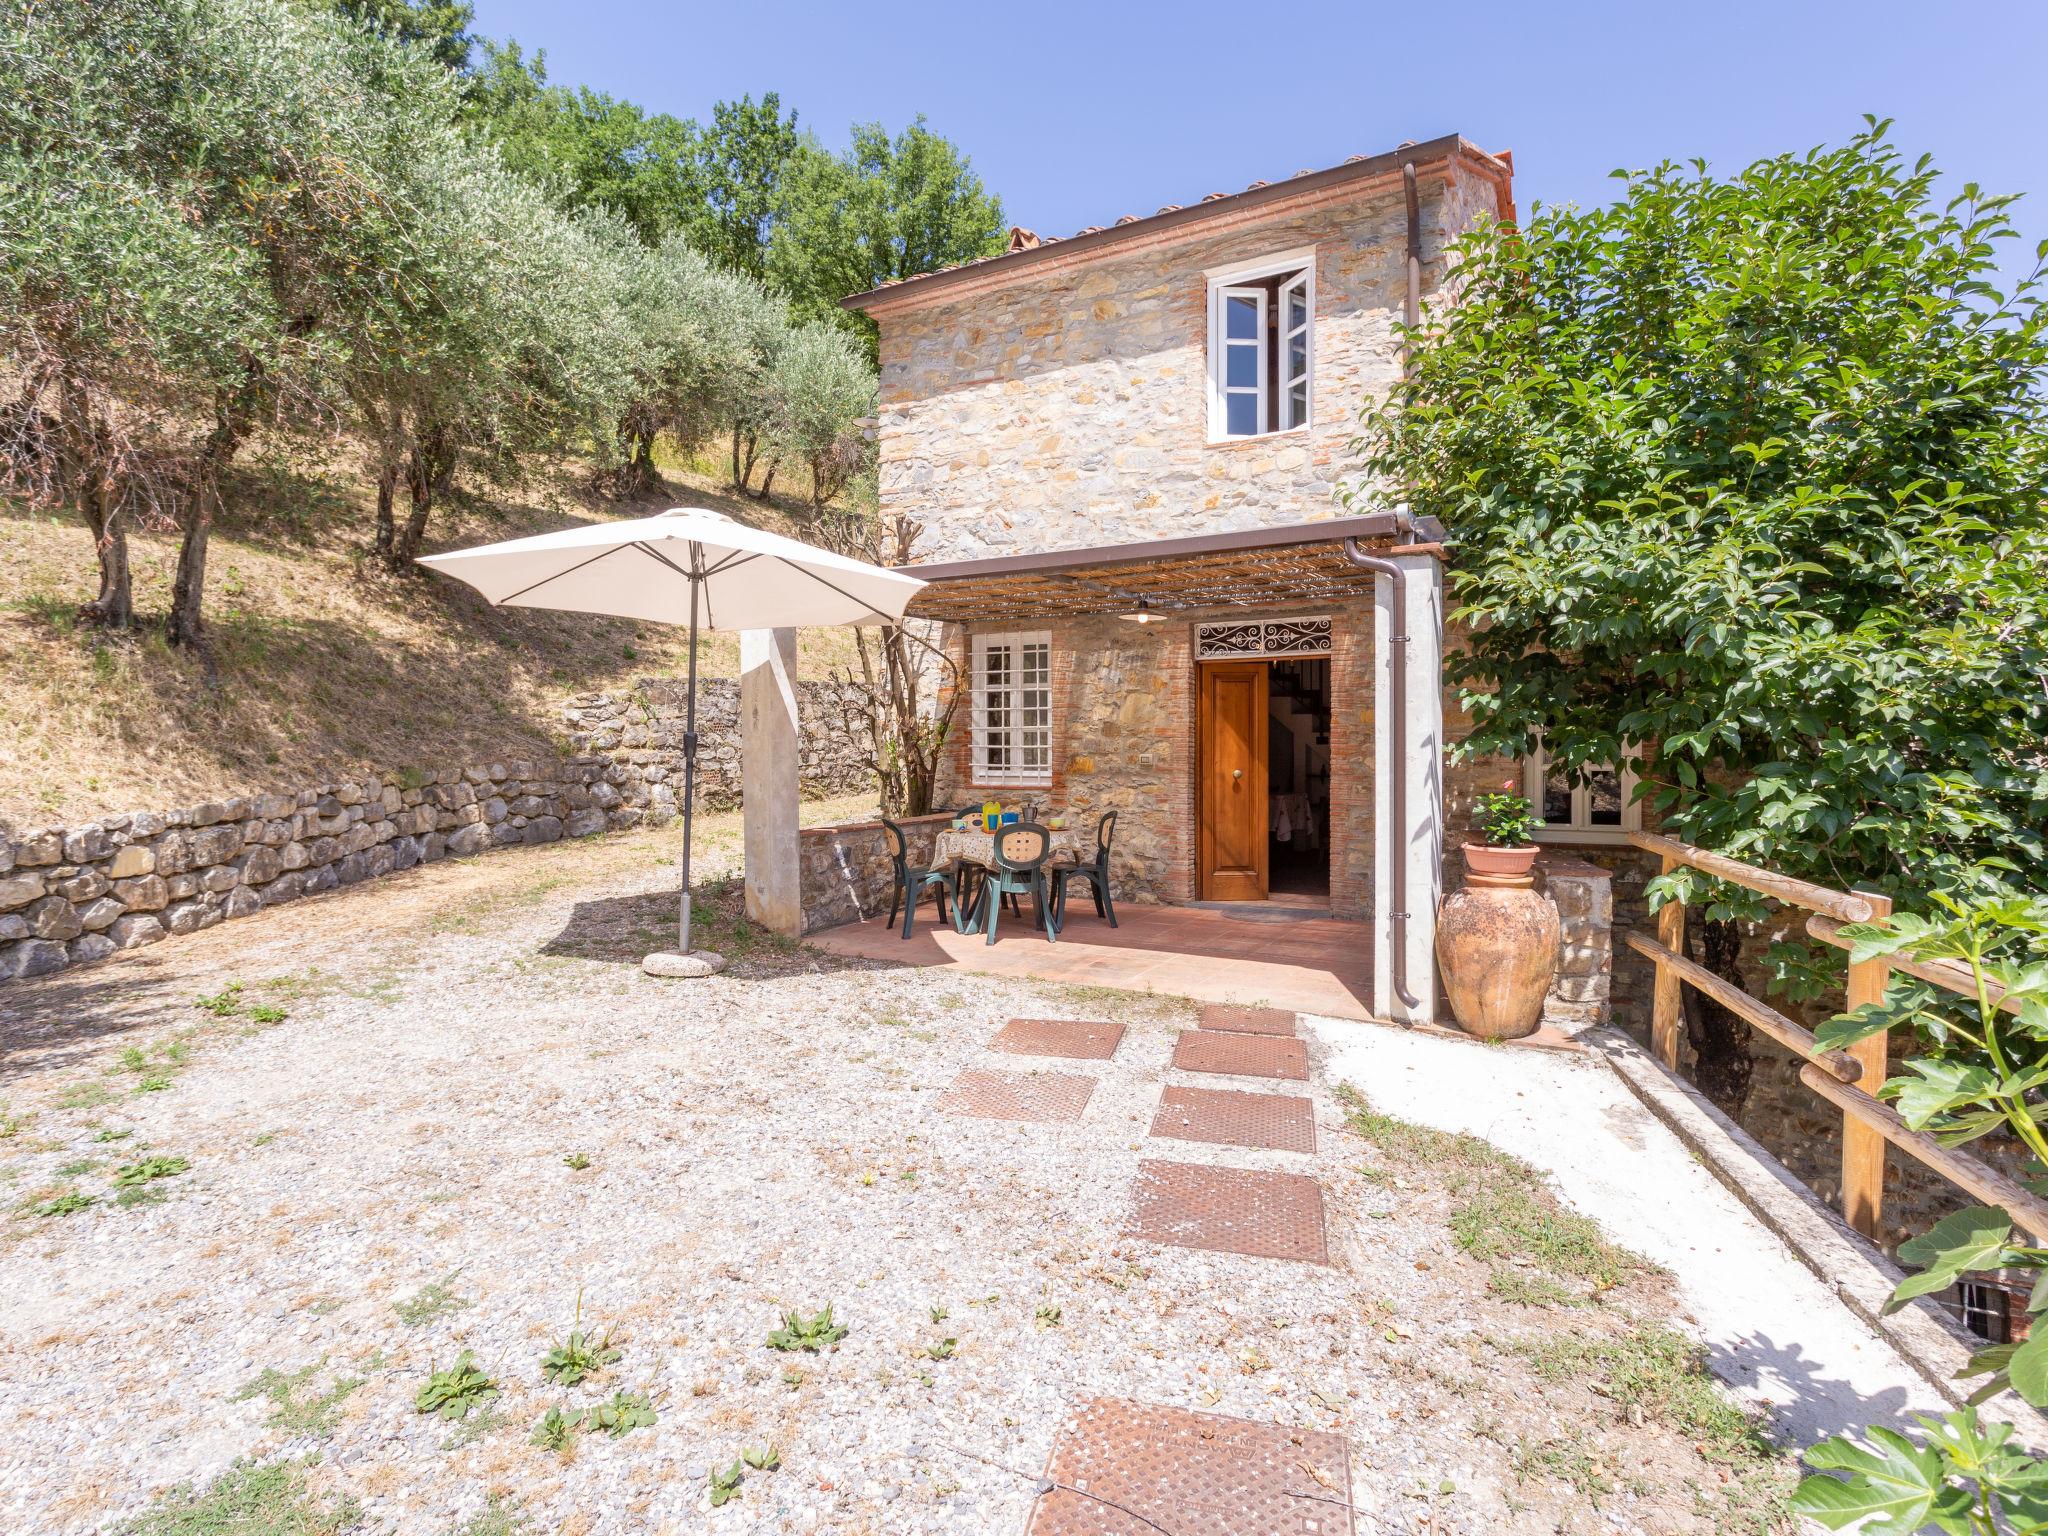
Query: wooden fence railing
{"type": "Point", "coordinates": [1846, 1079]}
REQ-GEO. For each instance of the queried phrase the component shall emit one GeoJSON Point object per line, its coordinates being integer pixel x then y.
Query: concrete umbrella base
{"type": "Point", "coordinates": [698, 962]}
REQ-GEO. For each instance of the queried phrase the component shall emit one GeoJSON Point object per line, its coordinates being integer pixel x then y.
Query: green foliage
{"type": "Point", "coordinates": [556, 1429]}
{"type": "Point", "coordinates": [762, 1459]}
{"type": "Point", "coordinates": [453, 1391]}
{"type": "Point", "coordinates": [576, 1160]}
{"type": "Point", "coordinates": [440, 27]}
{"type": "Point", "coordinates": [809, 1334]}
{"type": "Point", "coordinates": [1966, 1478]}
{"type": "Point", "coordinates": [224, 1004]}
{"type": "Point", "coordinates": [885, 209]}
{"type": "Point", "coordinates": [578, 1355]}
{"type": "Point", "coordinates": [267, 1013]}
{"type": "Point", "coordinates": [1047, 1314]}
{"type": "Point", "coordinates": [144, 1170]}
{"type": "Point", "coordinates": [68, 1203]}
{"type": "Point", "coordinates": [1505, 820]}
{"type": "Point", "coordinates": [296, 1408]}
{"type": "Point", "coordinates": [619, 1414]}
{"type": "Point", "coordinates": [940, 1349]}
{"type": "Point", "coordinates": [725, 1485]}
{"type": "Point", "coordinates": [247, 1500]}
{"type": "Point", "coordinates": [434, 1300]}
{"type": "Point", "coordinates": [1745, 483]}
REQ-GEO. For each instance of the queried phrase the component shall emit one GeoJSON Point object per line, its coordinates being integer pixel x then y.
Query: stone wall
{"type": "Point", "coordinates": [1581, 991]}
{"type": "Point", "coordinates": [70, 895]}
{"type": "Point", "coordinates": [1066, 405]}
{"type": "Point", "coordinates": [642, 735]}
{"type": "Point", "coordinates": [846, 873]}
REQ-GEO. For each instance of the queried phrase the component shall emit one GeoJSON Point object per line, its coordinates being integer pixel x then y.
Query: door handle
{"type": "Point", "coordinates": [1237, 773]}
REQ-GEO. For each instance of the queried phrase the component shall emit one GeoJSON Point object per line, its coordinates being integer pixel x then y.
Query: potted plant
{"type": "Point", "coordinates": [1496, 940]}
{"type": "Point", "coordinates": [1504, 821]}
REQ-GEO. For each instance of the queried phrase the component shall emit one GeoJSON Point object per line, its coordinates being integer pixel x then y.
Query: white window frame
{"type": "Point", "coordinates": [1261, 403]}
{"type": "Point", "coordinates": [1580, 828]}
{"type": "Point", "coordinates": [988, 716]}
{"type": "Point", "coordinates": [1235, 275]}
{"type": "Point", "coordinates": [1284, 380]}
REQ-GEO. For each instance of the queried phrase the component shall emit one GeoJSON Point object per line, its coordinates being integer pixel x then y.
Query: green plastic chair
{"type": "Point", "coordinates": [1020, 854]}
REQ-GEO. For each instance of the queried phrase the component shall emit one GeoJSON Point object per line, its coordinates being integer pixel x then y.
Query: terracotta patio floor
{"type": "Point", "coordinates": [1306, 965]}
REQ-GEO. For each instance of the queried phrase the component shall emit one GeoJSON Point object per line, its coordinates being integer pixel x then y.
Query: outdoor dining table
{"type": "Point", "coordinates": [974, 846]}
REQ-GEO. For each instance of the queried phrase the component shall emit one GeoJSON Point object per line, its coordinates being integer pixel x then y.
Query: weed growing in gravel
{"type": "Point", "coordinates": [85, 1096]}
{"type": "Point", "coordinates": [940, 1349]}
{"type": "Point", "coordinates": [474, 1427]}
{"type": "Point", "coordinates": [108, 1134]}
{"type": "Point", "coordinates": [156, 1083]}
{"type": "Point", "coordinates": [452, 1393]}
{"type": "Point", "coordinates": [556, 1430]}
{"type": "Point", "coordinates": [809, 1334]}
{"type": "Point", "coordinates": [578, 1355]}
{"type": "Point", "coordinates": [429, 1302]}
{"type": "Point", "coordinates": [11, 1124]}
{"type": "Point", "coordinates": [1521, 1289]}
{"type": "Point", "coordinates": [147, 1169]}
{"type": "Point", "coordinates": [65, 1203]}
{"type": "Point", "coordinates": [296, 1408]}
{"type": "Point", "coordinates": [1047, 1315]}
{"type": "Point", "coordinates": [84, 1165]}
{"type": "Point", "coordinates": [940, 1314]}
{"type": "Point", "coordinates": [725, 1485]}
{"type": "Point", "coordinates": [267, 1013]}
{"type": "Point", "coordinates": [224, 1004]}
{"type": "Point", "coordinates": [619, 1415]}
{"type": "Point", "coordinates": [766, 1459]}
{"type": "Point", "coordinates": [248, 1500]}
{"type": "Point", "coordinates": [496, 1518]}
{"type": "Point", "coordinates": [577, 1160]}
{"type": "Point", "coordinates": [1653, 1371]}
{"type": "Point", "coordinates": [1568, 1459]}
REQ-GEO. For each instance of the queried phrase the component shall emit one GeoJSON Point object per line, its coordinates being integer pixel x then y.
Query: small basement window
{"type": "Point", "coordinates": [1600, 808]}
{"type": "Point", "coordinates": [1261, 346]}
{"type": "Point", "coordinates": [1011, 718]}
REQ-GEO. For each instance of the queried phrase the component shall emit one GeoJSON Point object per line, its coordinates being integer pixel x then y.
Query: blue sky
{"type": "Point", "coordinates": [1077, 113]}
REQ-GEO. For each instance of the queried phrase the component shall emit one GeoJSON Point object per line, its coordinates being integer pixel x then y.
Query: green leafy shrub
{"type": "Point", "coordinates": [619, 1415]}
{"type": "Point", "coordinates": [1504, 820]}
{"type": "Point", "coordinates": [578, 1355]}
{"type": "Point", "coordinates": [145, 1170]}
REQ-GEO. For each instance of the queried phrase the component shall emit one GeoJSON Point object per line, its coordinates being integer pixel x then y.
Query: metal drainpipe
{"type": "Point", "coordinates": [1397, 586]}
{"type": "Point", "coordinates": [1397, 741]}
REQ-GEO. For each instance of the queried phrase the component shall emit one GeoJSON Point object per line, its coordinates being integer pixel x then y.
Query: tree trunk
{"type": "Point", "coordinates": [89, 477]}
{"type": "Point", "coordinates": [421, 471]}
{"type": "Point", "coordinates": [767, 480]}
{"type": "Point", "coordinates": [1721, 1041]}
{"type": "Point", "coordinates": [743, 462]}
{"type": "Point", "coordinates": [183, 625]}
{"type": "Point", "coordinates": [387, 523]}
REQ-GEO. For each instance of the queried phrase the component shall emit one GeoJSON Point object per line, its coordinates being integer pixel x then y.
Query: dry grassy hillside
{"type": "Point", "coordinates": [328, 664]}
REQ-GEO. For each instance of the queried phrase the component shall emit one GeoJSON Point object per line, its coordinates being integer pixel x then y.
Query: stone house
{"type": "Point", "coordinates": [1123, 451]}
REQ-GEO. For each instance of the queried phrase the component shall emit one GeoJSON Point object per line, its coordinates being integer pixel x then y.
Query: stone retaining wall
{"type": "Point", "coordinates": [642, 734]}
{"type": "Point", "coordinates": [846, 873]}
{"type": "Point", "coordinates": [69, 895]}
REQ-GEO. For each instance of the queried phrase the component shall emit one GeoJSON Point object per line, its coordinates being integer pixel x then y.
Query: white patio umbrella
{"type": "Point", "coordinates": [687, 565]}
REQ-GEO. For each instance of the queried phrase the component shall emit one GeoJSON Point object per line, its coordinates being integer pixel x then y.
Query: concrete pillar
{"type": "Point", "coordinates": [768, 773]}
{"type": "Point", "coordinates": [1417, 846]}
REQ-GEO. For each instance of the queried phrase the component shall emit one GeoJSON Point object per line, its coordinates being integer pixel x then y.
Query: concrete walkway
{"type": "Point", "coordinates": [1773, 1331]}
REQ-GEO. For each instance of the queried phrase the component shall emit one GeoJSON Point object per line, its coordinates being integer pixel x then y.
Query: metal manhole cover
{"type": "Point", "coordinates": [1080, 1040]}
{"type": "Point", "coordinates": [1230, 1210]}
{"type": "Point", "coordinates": [1284, 1122]}
{"type": "Point", "coordinates": [1145, 1469]}
{"type": "Point", "coordinates": [1044, 1097]}
{"type": "Point", "coordinates": [1249, 1021]}
{"type": "Point", "coordinates": [1213, 1050]}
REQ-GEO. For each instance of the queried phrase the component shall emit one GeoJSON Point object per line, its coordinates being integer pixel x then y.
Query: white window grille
{"type": "Point", "coordinates": [1011, 716]}
{"type": "Point", "coordinates": [1600, 808]}
{"type": "Point", "coordinates": [1261, 346]}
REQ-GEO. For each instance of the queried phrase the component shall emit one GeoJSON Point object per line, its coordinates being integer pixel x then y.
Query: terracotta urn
{"type": "Point", "coordinates": [1496, 943]}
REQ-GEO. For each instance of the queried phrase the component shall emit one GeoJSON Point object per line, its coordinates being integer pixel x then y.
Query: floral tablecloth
{"type": "Point", "coordinates": [977, 847]}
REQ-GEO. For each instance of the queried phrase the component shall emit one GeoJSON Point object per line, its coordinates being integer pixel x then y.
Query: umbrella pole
{"type": "Point", "coordinates": [690, 752]}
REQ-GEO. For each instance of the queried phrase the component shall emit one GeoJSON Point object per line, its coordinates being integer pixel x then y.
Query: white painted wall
{"type": "Point", "coordinates": [1419, 844]}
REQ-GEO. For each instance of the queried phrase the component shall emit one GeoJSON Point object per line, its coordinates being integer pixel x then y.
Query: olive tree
{"type": "Point", "coordinates": [1745, 481]}
{"type": "Point", "coordinates": [820, 407]}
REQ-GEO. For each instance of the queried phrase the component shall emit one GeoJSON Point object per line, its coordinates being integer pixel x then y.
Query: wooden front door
{"type": "Point", "coordinates": [1230, 805]}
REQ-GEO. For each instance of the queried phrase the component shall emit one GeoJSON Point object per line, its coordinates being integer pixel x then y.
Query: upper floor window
{"type": "Point", "coordinates": [1600, 808]}
{"type": "Point", "coordinates": [1012, 709]}
{"type": "Point", "coordinates": [1261, 345]}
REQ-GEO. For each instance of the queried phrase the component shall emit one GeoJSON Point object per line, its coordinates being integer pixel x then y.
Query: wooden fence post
{"type": "Point", "coordinates": [1863, 1145]}
{"type": "Point", "coordinates": [1665, 1000]}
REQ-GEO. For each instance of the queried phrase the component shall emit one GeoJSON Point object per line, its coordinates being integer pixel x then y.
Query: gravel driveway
{"type": "Point", "coordinates": [383, 1178]}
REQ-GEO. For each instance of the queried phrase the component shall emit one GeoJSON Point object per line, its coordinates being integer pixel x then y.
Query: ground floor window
{"type": "Point", "coordinates": [1599, 807]}
{"type": "Point", "coordinates": [1011, 717]}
